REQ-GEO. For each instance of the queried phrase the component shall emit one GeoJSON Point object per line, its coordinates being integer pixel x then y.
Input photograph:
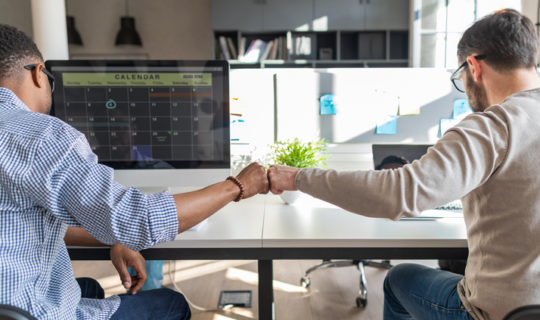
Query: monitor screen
{"type": "Point", "coordinates": [147, 114]}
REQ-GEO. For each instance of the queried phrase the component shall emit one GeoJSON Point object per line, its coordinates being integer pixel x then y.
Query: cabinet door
{"type": "Point", "coordinates": [237, 15]}
{"type": "Point", "coordinates": [339, 14]}
{"type": "Point", "coordinates": [282, 15]}
{"type": "Point", "coordinates": [387, 14]}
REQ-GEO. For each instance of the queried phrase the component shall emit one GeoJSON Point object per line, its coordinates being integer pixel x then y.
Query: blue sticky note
{"type": "Point", "coordinates": [389, 126]}
{"type": "Point", "coordinates": [461, 109]}
{"type": "Point", "coordinates": [328, 106]}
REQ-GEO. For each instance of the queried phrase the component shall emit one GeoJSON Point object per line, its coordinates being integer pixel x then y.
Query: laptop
{"type": "Point", "coordinates": [413, 152]}
{"type": "Point", "coordinates": [410, 152]}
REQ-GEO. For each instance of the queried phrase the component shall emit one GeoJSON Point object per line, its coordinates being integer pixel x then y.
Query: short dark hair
{"type": "Point", "coordinates": [390, 160]}
{"type": "Point", "coordinates": [16, 48]}
{"type": "Point", "coordinates": [506, 37]}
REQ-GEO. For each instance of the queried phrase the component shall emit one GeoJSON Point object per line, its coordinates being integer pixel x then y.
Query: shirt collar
{"type": "Point", "coordinates": [9, 100]}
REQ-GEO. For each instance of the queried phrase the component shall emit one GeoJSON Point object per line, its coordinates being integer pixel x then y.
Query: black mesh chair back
{"type": "Point", "coordinates": [530, 312]}
{"type": "Point", "coordinates": [8, 312]}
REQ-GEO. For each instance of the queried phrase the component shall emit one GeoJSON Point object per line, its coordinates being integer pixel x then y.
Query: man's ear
{"type": "Point", "coordinates": [475, 68]}
{"type": "Point", "coordinates": [37, 76]}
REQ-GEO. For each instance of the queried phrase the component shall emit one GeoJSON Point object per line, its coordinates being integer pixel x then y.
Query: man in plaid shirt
{"type": "Point", "coordinates": [51, 187]}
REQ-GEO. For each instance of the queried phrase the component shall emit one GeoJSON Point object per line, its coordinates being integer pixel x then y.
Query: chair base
{"type": "Point", "coordinates": [361, 300]}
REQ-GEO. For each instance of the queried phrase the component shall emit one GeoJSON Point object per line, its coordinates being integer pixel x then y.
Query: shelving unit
{"type": "Point", "coordinates": [326, 49]}
{"type": "Point", "coordinates": [329, 33]}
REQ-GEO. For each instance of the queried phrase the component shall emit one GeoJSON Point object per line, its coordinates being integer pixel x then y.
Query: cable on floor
{"type": "Point", "coordinates": [172, 266]}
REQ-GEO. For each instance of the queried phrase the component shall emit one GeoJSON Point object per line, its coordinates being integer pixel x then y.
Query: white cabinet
{"type": "Point", "coordinates": [387, 14]}
{"type": "Point", "coordinates": [319, 15]}
{"type": "Point", "coordinates": [362, 14]}
{"type": "Point", "coordinates": [237, 15]}
{"type": "Point", "coordinates": [282, 15]}
{"type": "Point", "coordinates": [261, 15]}
{"type": "Point", "coordinates": [339, 14]}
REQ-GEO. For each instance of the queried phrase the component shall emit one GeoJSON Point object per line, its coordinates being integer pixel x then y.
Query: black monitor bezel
{"type": "Point", "coordinates": [199, 164]}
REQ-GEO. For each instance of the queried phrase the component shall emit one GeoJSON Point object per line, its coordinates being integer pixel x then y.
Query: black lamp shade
{"type": "Point", "coordinates": [73, 35]}
{"type": "Point", "coordinates": [127, 34]}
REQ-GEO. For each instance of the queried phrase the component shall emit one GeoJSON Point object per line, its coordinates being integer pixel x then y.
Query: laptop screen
{"type": "Point", "coordinates": [410, 152]}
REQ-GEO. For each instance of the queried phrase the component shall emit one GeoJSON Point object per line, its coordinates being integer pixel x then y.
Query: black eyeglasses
{"type": "Point", "coordinates": [456, 76]}
{"type": "Point", "coordinates": [45, 71]}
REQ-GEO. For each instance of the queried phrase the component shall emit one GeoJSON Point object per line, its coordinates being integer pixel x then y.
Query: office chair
{"type": "Point", "coordinates": [361, 300]}
{"type": "Point", "coordinates": [8, 312]}
{"type": "Point", "coordinates": [530, 312]}
{"type": "Point", "coordinates": [387, 162]}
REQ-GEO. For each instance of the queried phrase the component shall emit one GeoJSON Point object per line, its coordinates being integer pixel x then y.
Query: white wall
{"type": "Point", "coordinates": [363, 98]}
{"type": "Point", "coordinates": [530, 9]}
{"type": "Point", "coordinates": [17, 13]}
{"type": "Point", "coordinates": [170, 29]}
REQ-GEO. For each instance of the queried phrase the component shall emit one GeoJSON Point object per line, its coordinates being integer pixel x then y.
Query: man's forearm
{"type": "Point", "coordinates": [80, 237]}
{"type": "Point", "coordinates": [194, 207]}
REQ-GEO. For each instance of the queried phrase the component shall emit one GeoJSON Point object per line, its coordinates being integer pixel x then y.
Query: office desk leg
{"type": "Point", "coordinates": [266, 290]}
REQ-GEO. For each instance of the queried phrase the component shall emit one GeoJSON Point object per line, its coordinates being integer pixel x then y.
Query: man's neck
{"type": "Point", "coordinates": [19, 91]}
{"type": "Point", "coordinates": [505, 84]}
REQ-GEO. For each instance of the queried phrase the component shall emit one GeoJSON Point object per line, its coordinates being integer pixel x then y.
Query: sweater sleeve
{"type": "Point", "coordinates": [462, 160]}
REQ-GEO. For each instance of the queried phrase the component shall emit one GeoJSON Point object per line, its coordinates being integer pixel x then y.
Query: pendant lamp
{"type": "Point", "coordinates": [73, 35]}
{"type": "Point", "coordinates": [128, 35]}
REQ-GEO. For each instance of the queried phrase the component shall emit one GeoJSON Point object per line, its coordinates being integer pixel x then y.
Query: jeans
{"type": "Point", "coordinates": [163, 304]}
{"type": "Point", "coordinates": [413, 291]}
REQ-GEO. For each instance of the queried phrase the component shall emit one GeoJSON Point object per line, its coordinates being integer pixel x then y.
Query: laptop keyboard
{"type": "Point", "coordinates": [455, 205]}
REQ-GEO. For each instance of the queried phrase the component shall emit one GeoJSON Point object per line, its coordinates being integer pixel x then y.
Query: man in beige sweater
{"type": "Point", "coordinates": [489, 160]}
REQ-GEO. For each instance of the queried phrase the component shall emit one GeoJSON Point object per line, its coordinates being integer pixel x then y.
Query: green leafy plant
{"type": "Point", "coordinates": [299, 155]}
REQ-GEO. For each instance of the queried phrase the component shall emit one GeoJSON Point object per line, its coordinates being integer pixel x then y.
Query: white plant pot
{"type": "Point", "coordinates": [290, 197]}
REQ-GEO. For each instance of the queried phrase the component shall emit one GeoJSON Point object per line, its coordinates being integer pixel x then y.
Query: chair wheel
{"type": "Point", "coordinates": [360, 302]}
{"type": "Point", "coordinates": [305, 282]}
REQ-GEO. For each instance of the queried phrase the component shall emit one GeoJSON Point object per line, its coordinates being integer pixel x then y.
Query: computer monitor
{"type": "Point", "coordinates": [157, 123]}
{"type": "Point", "coordinates": [410, 152]}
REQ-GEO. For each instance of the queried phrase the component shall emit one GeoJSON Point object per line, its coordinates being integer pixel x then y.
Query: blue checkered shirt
{"type": "Point", "coordinates": [49, 180]}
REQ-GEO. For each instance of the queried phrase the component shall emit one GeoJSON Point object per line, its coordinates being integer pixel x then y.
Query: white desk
{"type": "Point", "coordinates": [238, 225]}
{"type": "Point", "coordinates": [265, 229]}
{"type": "Point", "coordinates": [314, 223]}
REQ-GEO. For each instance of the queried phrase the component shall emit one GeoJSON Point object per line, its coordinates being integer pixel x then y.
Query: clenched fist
{"type": "Point", "coordinates": [281, 178]}
{"type": "Point", "coordinates": [254, 180]}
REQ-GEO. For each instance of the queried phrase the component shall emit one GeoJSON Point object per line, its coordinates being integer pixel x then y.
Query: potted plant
{"type": "Point", "coordinates": [294, 153]}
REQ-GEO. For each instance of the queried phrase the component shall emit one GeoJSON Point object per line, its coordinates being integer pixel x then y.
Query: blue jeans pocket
{"type": "Point", "coordinates": [454, 310]}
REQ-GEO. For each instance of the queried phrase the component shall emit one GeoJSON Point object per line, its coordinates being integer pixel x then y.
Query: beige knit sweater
{"type": "Point", "coordinates": [491, 160]}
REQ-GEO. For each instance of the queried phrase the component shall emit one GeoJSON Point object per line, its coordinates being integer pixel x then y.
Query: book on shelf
{"type": "Point", "coordinates": [259, 50]}
{"type": "Point", "coordinates": [253, 52]}
{"type": "Point", "coordinates": [273, 50]}
{"type": "Point", "coordinates": [303, 47]}
{"type": "Point", "coordinates": [232, 48]}
{"type": "Point", "coordinates": [284, 49]}
{"type": "Point", "coordinates": [266, 52]}
{"type": "Point", "coordinates": [223, 46]}
{"type": "Point", "coordinates": [242, 47]}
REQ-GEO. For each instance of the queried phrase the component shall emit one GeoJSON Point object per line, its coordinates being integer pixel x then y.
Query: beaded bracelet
{"type": "Point", "coordinates": [240, 185]}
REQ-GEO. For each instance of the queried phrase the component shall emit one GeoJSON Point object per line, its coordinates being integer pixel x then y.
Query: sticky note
{"type": "Point", "coordinates": [387, 126]}
{"type": "Point", "coordinates": [445, 124]}
{"type": "Point", "coordinates": [461, 109]}
{"type": "Point", "coordinates": [407, 107]}
{"type": "Point", "coordinates": [328, 106]}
